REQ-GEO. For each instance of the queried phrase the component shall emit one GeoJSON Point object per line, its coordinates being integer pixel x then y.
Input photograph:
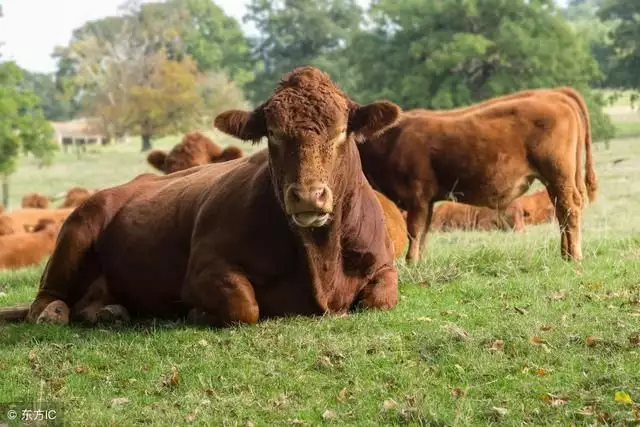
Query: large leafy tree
{"type": "Point", "coordinates": [448, 53]}
{"type": "Point", "coordinates": [625, 41]}
{"type": "Point", "coordinates": [301, 32]}
{"type": "Point", "coordinates": [23, 127]}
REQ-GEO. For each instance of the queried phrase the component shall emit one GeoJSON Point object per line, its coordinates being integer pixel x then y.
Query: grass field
{"type": "Point", "coordinates": [491, 328]}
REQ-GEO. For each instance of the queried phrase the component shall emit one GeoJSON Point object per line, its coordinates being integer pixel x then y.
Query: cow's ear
{"type": "Point", "coordinates": [156, 159]}
{"type": "Point", "coordinates": [244, 125]}
{"type": "Point", "coordinates": [28, 228]}
{"type": "Point", "coordinates": [367, 120]}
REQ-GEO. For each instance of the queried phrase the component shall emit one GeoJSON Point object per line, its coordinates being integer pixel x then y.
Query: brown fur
{"type": "Point", "coordinates": [450, 216]}
{"type": "Point", "coordinates": [537, 207]}
{"type": "Point", "coordinates": [75, 197]}
{"type": "Point", "coordinates": [395, 224]}
{"type": "Point", "coordinates": [195, 149]}
{"type": "Point", "coordinates": [6, 225]}
{"type": "Point", "coordinates": [35, 200]}
{"type": "Point", "coordinates": [27, 219]}
{"type": "Point", "coordinates": [24, 249]}
{"type": "Point", "coordinates": [223, 243]}
{"type": "Point", "coordinates": [487, 157]}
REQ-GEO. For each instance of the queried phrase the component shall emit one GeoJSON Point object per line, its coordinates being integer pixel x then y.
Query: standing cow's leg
{"type": "Point", "coordinates": [382, 291]}
{"type": "Point", "coordinates": [417, 221]}
{"type": "Point", "coordinates": [569, 216]}
{"type": "Point", "coordinates": [219, 297]}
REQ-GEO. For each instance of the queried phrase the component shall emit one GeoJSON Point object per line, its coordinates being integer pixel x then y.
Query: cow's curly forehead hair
{"type": "Point", "coordinates": [306, 100]}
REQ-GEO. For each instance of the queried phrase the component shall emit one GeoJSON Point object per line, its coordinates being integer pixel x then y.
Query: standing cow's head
{"type": "Point", "coordinates": [311, 127]}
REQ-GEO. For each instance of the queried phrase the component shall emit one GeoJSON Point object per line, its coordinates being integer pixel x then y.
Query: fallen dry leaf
{"type": "Point", "coordinates": [424, 284]}
{"type": "Point", "coordinates": [587, 411]}
{"type": "Point", "coordinates": [81, 369]}
{"type": "Point", "coordinates": [328, 414]}
{"type": "Point", "coordinates": [555, 400]}
{"type": "Point", "coordinates": [520, 310]}
{"type": "Point", "coordinates": [118, 401]}
{"type": "Point", "coordinates": [546, 328]}
{"type": "Point", "coordinates": [541, 372]}
{"type": "Point", "coordinates": [203, 343]}
{"type": "Point", "coordinates": [537, 340]}
{"type": "Point", "coordinates": [458, 331]}
{"type": "Point", "coordinates": [458, 392]}
{"type": "Point", "coordinates": [558, 296]}
{"type": "Point", "coordinates": [342, 394]}
{"type": "Point", "coordinates": [634, 340]}
{"type": "Point", "coordinates": [623, 397]}
{"type": "Point", "coordinates": [174, 378]}
{"type": "Point", "coordinates": [591, 341]}
{"type": "Point", "coordinates": [389, 404]}
{"type": "Point", "coordinates": [425, 319]}
{"type": "Point", "coordinates": [496, 345]}
{"type": "Point", "coordinates": [499, 411]}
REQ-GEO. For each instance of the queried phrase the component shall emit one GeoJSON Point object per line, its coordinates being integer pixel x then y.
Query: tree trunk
{"type": "Point", "coordinates": [5, 191]}
{"type": "Point", "coordinates": [146, 142]}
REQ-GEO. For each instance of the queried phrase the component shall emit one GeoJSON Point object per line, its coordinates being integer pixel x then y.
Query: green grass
{"type": "Point", "coordinates": [429, 361]}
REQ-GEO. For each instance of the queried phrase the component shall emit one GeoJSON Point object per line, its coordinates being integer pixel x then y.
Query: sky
{"type": "Point", "coordinates": [30, 29]}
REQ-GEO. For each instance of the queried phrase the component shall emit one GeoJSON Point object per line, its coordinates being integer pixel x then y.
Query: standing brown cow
{"type": "Point", "coordinates": [294, 229]}
{"type": "Point", "coordinates": [487, 157]}
{"type": "Point", "coordinates": [195, 149]}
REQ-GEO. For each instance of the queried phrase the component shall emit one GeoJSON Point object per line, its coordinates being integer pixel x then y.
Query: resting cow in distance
{"type": "Point", "coordinates": [195, 149]}
{"type": "Point", "coordinates": [537, 207]}
{"type": "Point", "coordinates": [450, 216]}
{"type": "Point", "coordinates": [487, 156]}
{"type": "Point", "coordinates": [294, 229]}
{"type": "Point", "coordinates": [23, 249]}
{"type": "Point", "coordinates": [35, 201]}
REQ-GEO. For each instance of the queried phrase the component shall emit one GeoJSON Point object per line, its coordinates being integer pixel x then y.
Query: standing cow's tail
{"type": "Point", "coordinates": [590, 180]}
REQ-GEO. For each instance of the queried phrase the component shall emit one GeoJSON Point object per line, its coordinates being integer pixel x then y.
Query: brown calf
{"type": "Point", "coordinates": [487, 157]}
{"type": "Point", "coordinates": [35, 200]}
{"type": "Point", "coordinates": [537, 207]}
{"type": "Point", "coordinates": [293, 229]}
{"type": "Point", "coordinates": [27, 219]}
{"type": "Point", "coordinates": [450, 216]}
{"type": "Point", "coordinates": [195, 149]}
{"type": "Point", "coordinates": [24, 249]}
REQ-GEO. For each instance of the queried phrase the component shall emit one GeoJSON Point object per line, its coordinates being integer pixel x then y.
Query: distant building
{"type": "Point", "coordinates": [80, 132]}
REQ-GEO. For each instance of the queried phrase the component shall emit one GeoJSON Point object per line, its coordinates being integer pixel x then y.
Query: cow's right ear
{"type": "Point", "coordinates": [156, 159]}
{"type": "Point", "coordinates": [244, 125]}
{"type": "Point", "coordinates": [29, 228]}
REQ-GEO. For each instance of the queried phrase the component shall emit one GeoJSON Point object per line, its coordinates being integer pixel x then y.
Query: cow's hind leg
{"type": "Point", "coordinates": [418, 222]}
{"type": "Point", "coordinates": [220, 300]}
{"type": "Point", "coordinates": [569, 215]}
{"type": "Point", "coordinates": [98, 306]}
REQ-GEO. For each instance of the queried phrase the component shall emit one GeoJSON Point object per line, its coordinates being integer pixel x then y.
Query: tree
{"type": "Point", "coordinates": [23, 126]}
{"type": "Point", "coordinates": [625, 41]}
{"type": "Point", "coordinates": [449, 53]}
{"type": "Point", "coordinates": [301, 32]}
{"type": "Point", "coordinates": [55, 106]}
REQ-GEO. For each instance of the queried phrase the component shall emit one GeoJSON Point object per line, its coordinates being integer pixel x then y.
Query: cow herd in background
{"type": "Point", "coordinates": [314, 223]}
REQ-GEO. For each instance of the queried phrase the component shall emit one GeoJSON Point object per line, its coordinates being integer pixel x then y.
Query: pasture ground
{"type": "Point", "coordinates": [490, 328]}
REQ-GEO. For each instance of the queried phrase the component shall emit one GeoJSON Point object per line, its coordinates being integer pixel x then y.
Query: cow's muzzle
{"type": "Point", "coordinates": [309, 206]}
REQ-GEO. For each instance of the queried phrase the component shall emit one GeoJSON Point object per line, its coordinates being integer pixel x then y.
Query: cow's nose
{"type": "Point", "coordinates": [308, 198]}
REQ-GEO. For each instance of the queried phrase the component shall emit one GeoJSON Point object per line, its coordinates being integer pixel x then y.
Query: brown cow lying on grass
{"type": "Point", "coordinates": [35, 200]}
{"type": "Point", "coordinates": [395, 224]}
{"type": "Point", "coordinates": [450, 216]}
{"type": "Point", "coordinates": [537, 207]}
{"type": "Point", "coordinates": [487, 156]}
{"type": "Point", "coordinates": [76, 196]}
{"type": "Point", "coordinates": [6, 225]}
{"type": "Point", "coordinates": [23, 249]}
{"type": "Point", "coordinates": [21, 220]}
{"type": "Point", "coordinates": [195, 149]}
{"type": "Point", "coordinates": [294, 229]}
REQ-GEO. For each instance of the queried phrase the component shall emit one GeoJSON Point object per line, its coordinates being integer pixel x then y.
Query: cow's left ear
{"type": "Point", "coordinates": [244, 125]}
{"type": "Point", "coordinates": [367, 120]}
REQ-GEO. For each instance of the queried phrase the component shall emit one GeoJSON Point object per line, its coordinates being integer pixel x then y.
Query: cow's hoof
{"type": "Point", "coordinates": [114, 314]}
{"type": "Point", "coordinates": [57, 313]}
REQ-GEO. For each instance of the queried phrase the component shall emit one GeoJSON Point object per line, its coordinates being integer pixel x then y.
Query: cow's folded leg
{"type": "Point", "coordinates": [221, 301]}
{"type": "Point", "coordinates": [381, 292]}
{"type": "Point", "coordinates": [56, 312]}
{"type": "Point", "coordinates": [98, 306]}
{"type": "Point", "coordinates": [112, 314]}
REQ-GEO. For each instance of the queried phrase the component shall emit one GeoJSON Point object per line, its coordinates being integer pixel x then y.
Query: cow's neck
{"type": "Point", "coordinates": [341, 249]}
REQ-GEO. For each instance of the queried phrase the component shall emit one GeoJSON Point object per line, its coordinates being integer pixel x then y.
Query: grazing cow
{"type": "Point", "coordinates": [487, 157]}
{"type": "Point", "coordinates": [26, 219]}
{"type": "Point", "coordinates": [23, 249]}
{"type": "Point", "coordinates": [75, 197]}
{"type": "Point", "coordinates": [450, 216]}
{"type": "Point", "coordinates": [194, 150]}
{"type": "Point", "coordinates": [294, 229]}
{"type": "Point", "coordinates": [395, 224]}
{"type": "Point", "coordinates": [537, 207]}
{"type": "Point", "coordinates": [35, 200]}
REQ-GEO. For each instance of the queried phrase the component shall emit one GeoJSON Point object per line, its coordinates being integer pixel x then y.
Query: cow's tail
{"type": "Point", "coordinates": [590, 179]}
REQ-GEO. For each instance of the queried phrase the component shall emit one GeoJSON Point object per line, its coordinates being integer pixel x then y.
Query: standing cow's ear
{"type": "Point", "coordinates": [244, 125]}
{"type": "Point", "coordinates": [367, 120]}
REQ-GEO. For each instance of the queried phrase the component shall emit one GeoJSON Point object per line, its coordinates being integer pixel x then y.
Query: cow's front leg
{"type": "Point", "coordinates": [219, 299]}
{"type": "Point", "coordinates": [382, 290]}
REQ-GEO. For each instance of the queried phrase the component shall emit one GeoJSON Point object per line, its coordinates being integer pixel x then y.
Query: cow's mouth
{"type": "Point", "coordinates": [310, 219]}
